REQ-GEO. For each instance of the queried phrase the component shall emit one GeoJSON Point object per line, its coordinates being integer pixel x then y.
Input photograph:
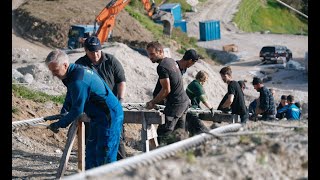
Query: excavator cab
{"type": "Point", "coordinates": [77, 33]}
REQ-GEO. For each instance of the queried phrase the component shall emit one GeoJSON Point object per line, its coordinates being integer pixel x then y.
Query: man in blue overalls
{"type": "Point", "coordinates": [88, 93]}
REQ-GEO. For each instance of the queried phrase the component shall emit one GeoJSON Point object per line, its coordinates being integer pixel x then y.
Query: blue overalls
{"type": "Point", "coordinates": [88, 93]}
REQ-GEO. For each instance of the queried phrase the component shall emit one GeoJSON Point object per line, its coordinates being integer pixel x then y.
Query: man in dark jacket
{"type": "Point", "coordinates": [112, 72]}
{"type": "Point", "coordinates": [265, 106]}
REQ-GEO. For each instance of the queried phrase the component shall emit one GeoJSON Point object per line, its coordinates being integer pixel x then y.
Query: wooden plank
{"type": "Point", "coordinates": [221, 117]}
{"type": "Point", "coordinates": [81, 146]}
{"type": "Point", "coordinates": [66, 152]}
{"type": "Point", "coordinates": [152, 117]}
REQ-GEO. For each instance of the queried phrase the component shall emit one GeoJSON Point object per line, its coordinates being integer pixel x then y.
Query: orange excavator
{"type": "Point", "coordinates": [106, 19]}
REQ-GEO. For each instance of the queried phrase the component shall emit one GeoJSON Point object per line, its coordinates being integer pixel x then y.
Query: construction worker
{"type": "Point", "coordinates": [283, 103]}
{"type": "Point", "coordinates": [189, 58]}
{"type": "Point", "coordinates": [235, 100]}
{"type": "Point", "coordinates": [111, 70]}
{"type": "Point", "coordinates": [88, 93]}
{"type": "Point", "coordinates": [292, 112]}
{"type": "Point", "coordinates": [243, 86]}
{"type": "Point", "coordinates": [265, 106]}
{"type": "Point", "coordinates": [197, 94]}
{"type": "Point", "coordinates": [169, 87]}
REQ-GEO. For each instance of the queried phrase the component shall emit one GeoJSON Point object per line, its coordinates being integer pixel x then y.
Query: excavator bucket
{"type": "Point", "coordinates": [167, 21]}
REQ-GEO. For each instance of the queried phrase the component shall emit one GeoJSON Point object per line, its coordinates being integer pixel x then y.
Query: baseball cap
{"type": "Point", "coordinates": [92, 43]}
{"type": "Point", "coordinates": [256, 81]}
{"type": "Point", "coordinates": [191, 54]}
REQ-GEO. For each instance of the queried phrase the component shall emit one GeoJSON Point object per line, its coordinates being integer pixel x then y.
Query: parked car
{"type": "Point", "coordinates": [275, 53]}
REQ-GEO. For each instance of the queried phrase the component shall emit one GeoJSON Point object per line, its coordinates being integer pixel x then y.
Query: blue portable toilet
{"type": "Point", "coordinates": [209, 30]}
{"type": "Point", "coordinates": [182, 24]}
{"type": "Point", "coordinates": [174, 9]}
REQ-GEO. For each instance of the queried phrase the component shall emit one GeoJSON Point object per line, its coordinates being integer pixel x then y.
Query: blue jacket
{"type": "Point", "coordinates": [87, 92]}
{"type": "Point", "coordinates": [292, 111]}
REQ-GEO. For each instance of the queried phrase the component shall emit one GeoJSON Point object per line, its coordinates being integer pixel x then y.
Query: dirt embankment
{"type": "Point", "coordinates": [48, 22]}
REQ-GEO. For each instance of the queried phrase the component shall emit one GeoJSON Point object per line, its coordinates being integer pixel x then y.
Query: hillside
{"type": "Point", "coordinates": [48, 22]}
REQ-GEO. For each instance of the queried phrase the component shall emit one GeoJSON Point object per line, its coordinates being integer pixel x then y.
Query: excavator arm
{"type": "Point", "coordinates": [107, 17]}
{"type": "Point", "coordinates": [106, 20]}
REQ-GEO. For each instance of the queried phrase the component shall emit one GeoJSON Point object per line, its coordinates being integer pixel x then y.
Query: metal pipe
{"type": "Point", "coordinates": [28, 122]}
{"type": "Point", "coordinates": [152, 156]}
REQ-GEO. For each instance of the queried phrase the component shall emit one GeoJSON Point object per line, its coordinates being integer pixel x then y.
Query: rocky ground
{"type": "Point", "coordinates": [36, 151]}
{"type": "Point", "coordinates": [281, 155]}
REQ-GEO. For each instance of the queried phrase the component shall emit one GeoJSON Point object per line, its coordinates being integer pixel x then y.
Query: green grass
{"type": "Point", "coordinates": [157, 30]}
{"type": "Point", "coordinates": [154, 28]}
{"type": "Point", "coordinates": [185, 7]}
{"type": "Point", "coordinates": [21, 91]}
{"type": "Point", "coordinates": [259, 15]}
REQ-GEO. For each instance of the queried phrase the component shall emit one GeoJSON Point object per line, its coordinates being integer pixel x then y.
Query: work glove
{"type": "Point", "coordinates": [54, 127]}
{"type": "Point", "coordinates": [54, 117]}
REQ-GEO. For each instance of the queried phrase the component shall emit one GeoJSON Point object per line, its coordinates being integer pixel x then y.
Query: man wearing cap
{"type": "Point", "coordinates": [235, 97]}
{"type": "Point", "coordinates": [283, 102]}
{"type": "Point", "coordinates": [88, 93]}
{"type": "Point", "coordinates": [266, 106]}
{"type": "Point", "coordinates": [170, 87]}
{"type": "Point", "coordinates": [189, 58]}
{"type": "Point", "coordinates": [110, 69]}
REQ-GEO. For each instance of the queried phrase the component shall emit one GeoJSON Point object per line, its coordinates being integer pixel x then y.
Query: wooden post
{"type": "Point", "coordinates": [144, 134]}
{"type": "Point", "coordinates": [81, 146]}
{"type": "Point", "coordinates": [148, 135]}
{"type": "Point", "coordinates": [67, 150]}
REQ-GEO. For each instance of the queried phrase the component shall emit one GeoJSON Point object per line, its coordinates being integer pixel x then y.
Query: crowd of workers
{"type": "Point", "coordinates": [96, 86]}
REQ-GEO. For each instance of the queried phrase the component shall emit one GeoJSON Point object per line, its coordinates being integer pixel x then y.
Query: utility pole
{"type": "Point", "coordinates": [292, 8]}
